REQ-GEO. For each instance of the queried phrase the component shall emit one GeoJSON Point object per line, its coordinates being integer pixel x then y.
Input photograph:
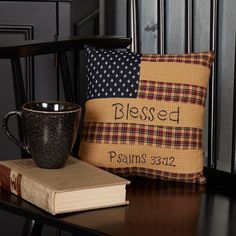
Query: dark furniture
{"type": "Point", "coordinates": [155, 208]}
{"type": "Point", "coordinates": [59, 47]}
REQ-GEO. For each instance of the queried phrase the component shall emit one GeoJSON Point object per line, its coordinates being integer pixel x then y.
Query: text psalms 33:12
{"type": "Point", "coordinates": [140, 159]}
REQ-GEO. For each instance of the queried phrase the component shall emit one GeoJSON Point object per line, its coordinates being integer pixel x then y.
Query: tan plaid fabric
{"type": "Point", "coordinates": [204, 58]}
{"type": "Point", "coordinates": [175, 92]}
{"type": "Point", "coordinates": [131, 134]}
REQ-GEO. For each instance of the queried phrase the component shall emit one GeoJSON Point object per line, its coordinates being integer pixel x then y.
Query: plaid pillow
{"type": "Point", "coordinates": [144, 113]}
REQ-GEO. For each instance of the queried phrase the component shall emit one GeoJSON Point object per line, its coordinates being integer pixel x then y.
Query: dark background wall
{"type": "Point", "coordinates": [21, 20]}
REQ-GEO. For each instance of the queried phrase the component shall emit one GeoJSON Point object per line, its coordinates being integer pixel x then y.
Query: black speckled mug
{"type": "Point", "coordinates": [51, 128]}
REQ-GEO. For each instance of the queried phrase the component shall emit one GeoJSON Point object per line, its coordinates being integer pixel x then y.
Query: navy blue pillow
{"type": "Point", "coordinates": [112, 73]}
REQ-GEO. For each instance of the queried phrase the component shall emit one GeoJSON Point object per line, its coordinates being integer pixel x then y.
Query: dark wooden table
{"type": "Point", "coordinates": [155, 208]}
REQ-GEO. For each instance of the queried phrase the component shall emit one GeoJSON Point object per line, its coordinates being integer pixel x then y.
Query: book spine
{"type": "Point", "coordinates": [26, 188]}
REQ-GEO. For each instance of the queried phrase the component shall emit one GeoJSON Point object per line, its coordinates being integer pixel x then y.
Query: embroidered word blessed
{"type": "Point", "coordinates": [127, 111]}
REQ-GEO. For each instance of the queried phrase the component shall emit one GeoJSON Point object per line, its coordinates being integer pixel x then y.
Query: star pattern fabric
{"type": "Point", "coordinates": [112, 73]}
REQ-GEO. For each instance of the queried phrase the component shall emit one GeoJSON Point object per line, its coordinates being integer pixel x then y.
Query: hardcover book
{"type": "Point", "coordinates": [77, 186]}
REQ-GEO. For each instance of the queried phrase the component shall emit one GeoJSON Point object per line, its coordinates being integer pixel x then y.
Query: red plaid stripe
{"type": "Point", "coordinates": [161, 136]}
{"type": "Point", "coordinates": [175, 92]}
{"type": "Point", "coordinates": [157, 174]}
{"type": "Point", "coordinates": [204, 58]}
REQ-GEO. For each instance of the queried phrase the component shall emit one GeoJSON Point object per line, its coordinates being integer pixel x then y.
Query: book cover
{"type": "Point", "coordinates": [75, 187]}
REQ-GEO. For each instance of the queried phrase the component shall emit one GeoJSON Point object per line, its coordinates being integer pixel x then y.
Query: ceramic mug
{"type": "Point", "coordinates": [51, 129]}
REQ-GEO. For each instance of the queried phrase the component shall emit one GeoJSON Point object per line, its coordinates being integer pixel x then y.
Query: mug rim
{"type": "Point", "coordinates": [77, 107]}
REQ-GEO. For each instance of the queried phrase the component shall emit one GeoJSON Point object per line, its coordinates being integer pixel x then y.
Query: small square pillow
{"type": "Point", "coordinates": [144, 113]}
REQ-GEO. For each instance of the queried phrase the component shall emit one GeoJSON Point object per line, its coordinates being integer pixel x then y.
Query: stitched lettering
{"type": "Point", "coordinates": [125, 112]}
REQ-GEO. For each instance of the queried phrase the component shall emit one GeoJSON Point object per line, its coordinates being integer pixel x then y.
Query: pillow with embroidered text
{"type": "Point", "coordinates": [144, 113]}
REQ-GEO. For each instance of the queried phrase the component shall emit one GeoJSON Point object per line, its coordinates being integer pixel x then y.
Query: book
{"type": "Point", "coordinates": [75, 187]}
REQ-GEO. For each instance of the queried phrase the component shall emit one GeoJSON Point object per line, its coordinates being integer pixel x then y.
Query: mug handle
{"type": "Point", "coordinates": [8, 133]}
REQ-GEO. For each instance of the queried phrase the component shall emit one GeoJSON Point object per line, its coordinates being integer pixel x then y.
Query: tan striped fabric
{"type": "Point", "coordinates": [158, 133]}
